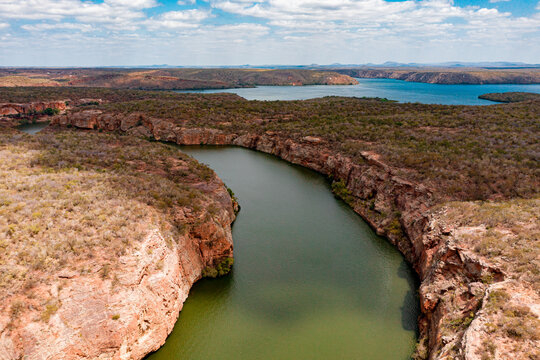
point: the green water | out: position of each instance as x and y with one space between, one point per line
311 280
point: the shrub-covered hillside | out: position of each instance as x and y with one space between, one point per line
66 196
462 152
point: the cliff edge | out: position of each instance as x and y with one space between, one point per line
102 237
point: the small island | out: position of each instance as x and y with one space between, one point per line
510 97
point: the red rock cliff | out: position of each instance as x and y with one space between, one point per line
22 109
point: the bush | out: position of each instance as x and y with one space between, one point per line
340 190
51 111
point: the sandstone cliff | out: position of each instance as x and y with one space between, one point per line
102 238
456 279
35 107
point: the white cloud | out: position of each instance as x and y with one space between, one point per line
114 12
409 19
58 26
178 19
295 31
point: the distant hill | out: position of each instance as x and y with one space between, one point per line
449 64
476 76
168 79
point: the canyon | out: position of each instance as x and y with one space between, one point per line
457 282
477 260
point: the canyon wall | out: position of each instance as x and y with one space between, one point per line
451 274
90 307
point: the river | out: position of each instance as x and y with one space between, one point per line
311 280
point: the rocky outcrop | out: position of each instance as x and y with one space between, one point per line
90 309
30 108
452 275
126 317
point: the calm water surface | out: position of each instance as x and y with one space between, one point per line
33 128
311 280
402 91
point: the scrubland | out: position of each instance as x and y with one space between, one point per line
67 196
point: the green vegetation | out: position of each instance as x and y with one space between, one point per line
480 162
221 269
31 94
50 111
231 194
510 97
460 152
340 190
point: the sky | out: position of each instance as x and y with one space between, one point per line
263 32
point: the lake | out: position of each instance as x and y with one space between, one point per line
399 90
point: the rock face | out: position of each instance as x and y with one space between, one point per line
451 274
128 313
124 318
35 107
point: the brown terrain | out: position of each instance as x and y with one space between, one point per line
168 79
102 237
478 261
449 75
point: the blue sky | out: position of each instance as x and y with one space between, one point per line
257 32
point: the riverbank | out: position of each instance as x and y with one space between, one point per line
461 269
102 237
